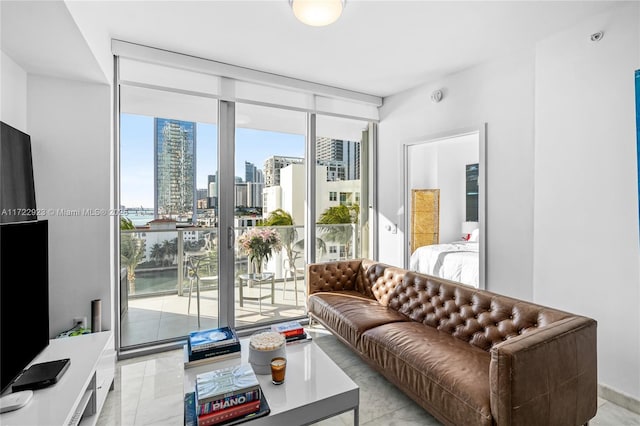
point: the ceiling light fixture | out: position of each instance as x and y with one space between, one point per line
317 13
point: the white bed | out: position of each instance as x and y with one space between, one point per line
457 261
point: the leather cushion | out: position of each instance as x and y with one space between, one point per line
332 276
479 317
350 313
443 373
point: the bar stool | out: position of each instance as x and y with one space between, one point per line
193 262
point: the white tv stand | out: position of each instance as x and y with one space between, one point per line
78 397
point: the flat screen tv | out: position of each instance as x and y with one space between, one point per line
24 296
17 189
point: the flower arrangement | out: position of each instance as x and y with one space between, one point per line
259 244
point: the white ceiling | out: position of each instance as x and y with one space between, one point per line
376 47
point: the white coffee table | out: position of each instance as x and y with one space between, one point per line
315 388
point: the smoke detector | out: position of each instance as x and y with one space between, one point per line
436 96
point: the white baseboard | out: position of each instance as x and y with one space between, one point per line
619 398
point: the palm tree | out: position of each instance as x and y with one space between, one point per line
156 253
132 250
288 234
321 247
126 223
169 251
342 214
173 249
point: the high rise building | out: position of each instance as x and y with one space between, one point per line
202 193
341 157
175 168
329 149
272 166
335 169
254 194
241 198
351 158
250 172
212 189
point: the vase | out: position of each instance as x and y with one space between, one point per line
257 266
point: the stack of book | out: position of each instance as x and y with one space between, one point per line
211 345
224 395
292 331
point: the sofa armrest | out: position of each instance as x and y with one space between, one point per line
548 374
332 276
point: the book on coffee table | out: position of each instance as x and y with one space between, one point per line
209 357
191 417
300 338
288 329
202 340
225 382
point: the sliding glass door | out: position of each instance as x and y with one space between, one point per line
342 188
168 235
221 200
269 194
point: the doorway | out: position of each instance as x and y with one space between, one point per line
453 166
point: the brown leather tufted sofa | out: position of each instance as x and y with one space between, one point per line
468 356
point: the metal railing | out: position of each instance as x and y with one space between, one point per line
156 259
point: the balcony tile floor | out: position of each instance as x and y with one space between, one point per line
155 318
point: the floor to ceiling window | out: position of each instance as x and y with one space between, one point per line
269 213
342 188
208 165
168 236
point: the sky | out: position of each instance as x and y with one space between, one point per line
136 155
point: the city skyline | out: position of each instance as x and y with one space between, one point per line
137 160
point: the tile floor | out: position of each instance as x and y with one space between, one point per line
158 317
148 391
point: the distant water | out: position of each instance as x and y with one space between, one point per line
139 219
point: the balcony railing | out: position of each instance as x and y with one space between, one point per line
157 259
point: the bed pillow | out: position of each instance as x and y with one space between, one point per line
474 235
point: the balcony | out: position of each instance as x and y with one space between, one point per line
160 266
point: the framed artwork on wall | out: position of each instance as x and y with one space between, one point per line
471 192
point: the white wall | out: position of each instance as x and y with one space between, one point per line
576 97
70 127
13 93
586 211
499 93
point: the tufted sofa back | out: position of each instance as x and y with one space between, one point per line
380 280
479 317
373 279
335 276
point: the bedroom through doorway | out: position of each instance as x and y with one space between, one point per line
445 195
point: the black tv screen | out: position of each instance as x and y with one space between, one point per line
17 189
24 296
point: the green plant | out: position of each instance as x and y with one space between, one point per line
259 243
288 233
132 249
339 215
126 223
